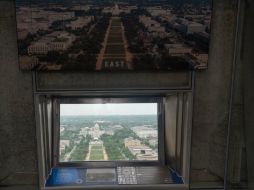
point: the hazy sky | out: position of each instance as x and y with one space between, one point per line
109 109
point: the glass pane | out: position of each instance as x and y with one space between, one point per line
108 132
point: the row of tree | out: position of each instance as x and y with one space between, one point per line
82 149
114 145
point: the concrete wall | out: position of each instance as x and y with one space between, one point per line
248 88
211 101
17 126
241 164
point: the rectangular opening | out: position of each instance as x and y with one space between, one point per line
116 130
92 136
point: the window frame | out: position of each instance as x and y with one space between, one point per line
57 101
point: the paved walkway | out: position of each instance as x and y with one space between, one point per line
68 156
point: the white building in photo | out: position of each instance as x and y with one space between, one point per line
188 27
80 8
80 22
151 25
177 49
158 11
195 27
56 41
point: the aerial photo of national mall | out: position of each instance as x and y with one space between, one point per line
113 35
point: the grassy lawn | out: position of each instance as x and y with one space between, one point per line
115 39
116 23
115 49
96 147
116 30
96 153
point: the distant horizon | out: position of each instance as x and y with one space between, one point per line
108 109
114 115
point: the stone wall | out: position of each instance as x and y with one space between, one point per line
211 101
17 124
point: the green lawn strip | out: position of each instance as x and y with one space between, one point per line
96 147
96 154
96 157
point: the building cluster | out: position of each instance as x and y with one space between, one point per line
165 23
55 41
43 24
140 151
136 147
79 7
158 11
195 21
39 19
118 9
96 142
145 132
153 26
187 27
95 132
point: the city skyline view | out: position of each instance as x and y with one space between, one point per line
90 35
108 138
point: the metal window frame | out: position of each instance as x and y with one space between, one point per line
95 100
127 92
50 96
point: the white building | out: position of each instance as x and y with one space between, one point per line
151 25
153 142
158 11
80 8
188 27
130 142
145 132
147 156
177 49
96 142
95 132
84 131
140 149
80 22
62 129
56 41
195 27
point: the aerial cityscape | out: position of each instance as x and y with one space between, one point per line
111 35
108 138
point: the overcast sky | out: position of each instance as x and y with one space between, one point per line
109 109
